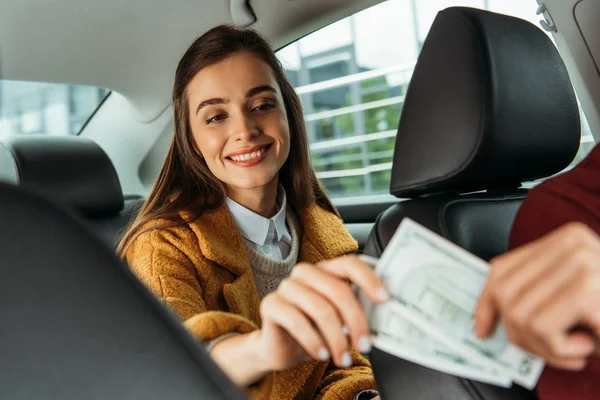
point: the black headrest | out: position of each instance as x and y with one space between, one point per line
76 323
490 105
72 169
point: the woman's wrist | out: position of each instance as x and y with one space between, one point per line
241 359
257 355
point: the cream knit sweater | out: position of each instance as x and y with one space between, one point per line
269 273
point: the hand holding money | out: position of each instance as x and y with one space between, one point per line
547 294
435 286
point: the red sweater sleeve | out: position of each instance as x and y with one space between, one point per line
548 207
573 196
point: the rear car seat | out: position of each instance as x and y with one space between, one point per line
77 324
489 106
75 171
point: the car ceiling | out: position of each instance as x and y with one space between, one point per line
132 47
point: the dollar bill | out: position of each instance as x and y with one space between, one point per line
399 336
440 283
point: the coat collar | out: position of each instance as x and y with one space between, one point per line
324 237
220 241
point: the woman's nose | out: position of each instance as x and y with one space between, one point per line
245 129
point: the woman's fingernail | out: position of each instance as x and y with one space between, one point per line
346 360
323 354
364 344
345 330
477 330
383 294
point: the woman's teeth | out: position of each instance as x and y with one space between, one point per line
248 156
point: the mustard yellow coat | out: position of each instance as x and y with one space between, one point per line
202 273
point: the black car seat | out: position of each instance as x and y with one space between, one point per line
76 324
75 171
489 106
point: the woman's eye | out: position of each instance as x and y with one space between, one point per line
264 107
216 118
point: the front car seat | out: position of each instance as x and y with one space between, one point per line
75 171
489 106
76 324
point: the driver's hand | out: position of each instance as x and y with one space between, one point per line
547 294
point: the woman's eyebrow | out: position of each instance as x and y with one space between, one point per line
250 93
210 102
260 89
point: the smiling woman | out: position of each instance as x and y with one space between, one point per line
247 161
239 239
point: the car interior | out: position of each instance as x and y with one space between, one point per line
443 111
108 339
75 170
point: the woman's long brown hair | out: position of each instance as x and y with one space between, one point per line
185 182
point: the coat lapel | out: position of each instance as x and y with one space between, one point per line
220 241
324 236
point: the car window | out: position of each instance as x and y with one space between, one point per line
46 108
352 77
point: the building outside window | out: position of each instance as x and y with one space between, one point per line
352 77
46 108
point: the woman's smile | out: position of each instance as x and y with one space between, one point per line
249 157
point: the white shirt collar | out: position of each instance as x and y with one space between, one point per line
255 227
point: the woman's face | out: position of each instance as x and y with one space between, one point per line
239 121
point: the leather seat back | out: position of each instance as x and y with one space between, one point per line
75 171
479 222
76 324
490 105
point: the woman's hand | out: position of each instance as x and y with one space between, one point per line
547 294
315 314
311 315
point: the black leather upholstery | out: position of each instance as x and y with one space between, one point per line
111 228
479 222
400 379
489 106
75 171
76 324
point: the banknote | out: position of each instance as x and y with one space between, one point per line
440 283
397 335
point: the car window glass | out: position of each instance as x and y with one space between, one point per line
352 77
46 108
